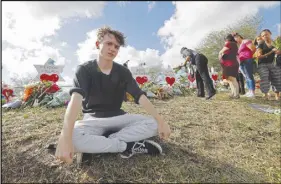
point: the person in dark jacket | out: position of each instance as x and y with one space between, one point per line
202 74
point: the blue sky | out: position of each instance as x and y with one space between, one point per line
271 17
154 34
140 25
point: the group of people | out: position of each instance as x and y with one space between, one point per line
100 86
243 57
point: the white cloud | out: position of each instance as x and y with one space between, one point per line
194 20
123 3
151 5
21 61
28 28
87 51
26 23
150 56
64 44
68 81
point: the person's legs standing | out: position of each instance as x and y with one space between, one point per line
202 67
263 71
275 77
200 85
231 88
235 86
241 83
247 70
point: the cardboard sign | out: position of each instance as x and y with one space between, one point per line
49 68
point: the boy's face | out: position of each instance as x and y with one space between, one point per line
108 47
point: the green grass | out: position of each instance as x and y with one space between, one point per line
220 140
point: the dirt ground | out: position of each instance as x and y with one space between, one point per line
220 140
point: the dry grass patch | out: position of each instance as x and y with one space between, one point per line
213 141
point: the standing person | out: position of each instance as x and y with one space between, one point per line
258 40
270 74
230 65
245 55
202 74
99 88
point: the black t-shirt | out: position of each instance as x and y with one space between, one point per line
265 49
103 94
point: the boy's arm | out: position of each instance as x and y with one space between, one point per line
65 149
163 128
140 98
71 114
148 106
79 91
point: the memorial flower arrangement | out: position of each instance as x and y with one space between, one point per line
165 89
36 91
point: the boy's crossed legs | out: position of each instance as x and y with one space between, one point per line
131 132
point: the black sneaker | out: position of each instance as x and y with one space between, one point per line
200 96
146 146
210 96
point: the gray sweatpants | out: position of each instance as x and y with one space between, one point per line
87 133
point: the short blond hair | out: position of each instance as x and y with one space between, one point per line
107 30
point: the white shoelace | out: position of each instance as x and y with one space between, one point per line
139 149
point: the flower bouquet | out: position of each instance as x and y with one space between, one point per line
35 92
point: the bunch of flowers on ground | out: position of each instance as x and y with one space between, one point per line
36 91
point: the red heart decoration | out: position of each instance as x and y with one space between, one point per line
144 79
4 92
139 80
44 77
191 79
54 77
215 77
170 80
7 93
